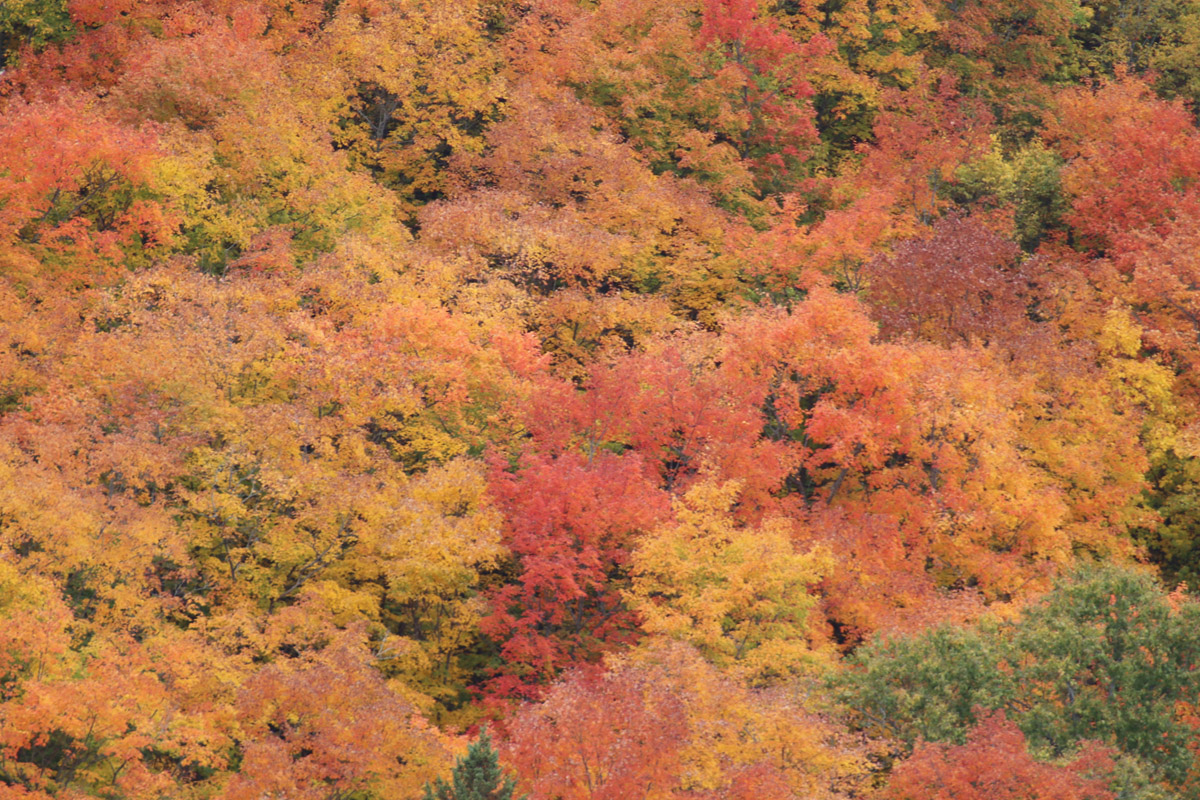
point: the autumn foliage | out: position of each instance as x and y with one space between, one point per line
995 763
708 398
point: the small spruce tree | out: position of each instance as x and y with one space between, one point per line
476 776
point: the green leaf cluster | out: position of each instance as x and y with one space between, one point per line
1106 656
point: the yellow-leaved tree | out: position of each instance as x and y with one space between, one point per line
738 593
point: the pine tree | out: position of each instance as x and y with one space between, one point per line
477 776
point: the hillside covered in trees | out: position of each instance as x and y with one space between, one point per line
621 399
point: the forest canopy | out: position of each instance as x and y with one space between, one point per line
599 399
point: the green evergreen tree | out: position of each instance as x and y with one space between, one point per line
476 776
